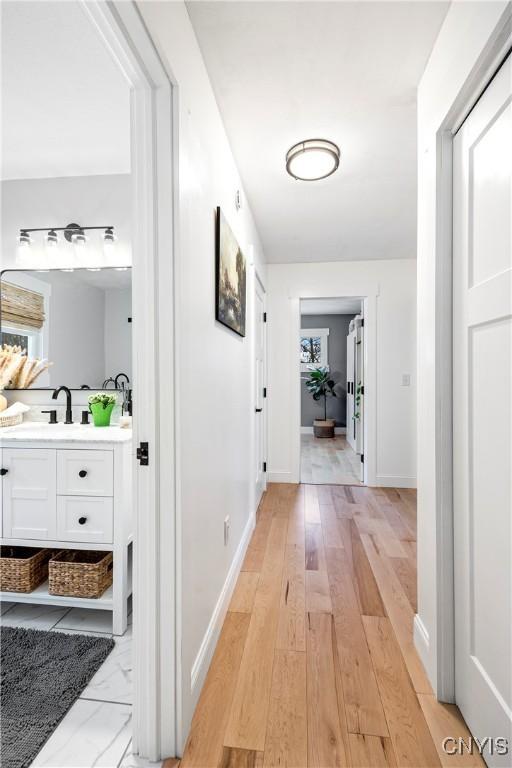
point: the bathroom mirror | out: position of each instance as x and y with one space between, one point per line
78 321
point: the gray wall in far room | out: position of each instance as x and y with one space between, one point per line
337 351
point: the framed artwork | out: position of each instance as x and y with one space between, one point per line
313 348
231 278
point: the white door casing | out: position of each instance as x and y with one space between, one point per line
482 418
259 387
157 695
359 391
351 384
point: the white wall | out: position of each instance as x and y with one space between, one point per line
394 284
85 200
214 365
462 45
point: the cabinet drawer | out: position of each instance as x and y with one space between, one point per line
82 518
87 473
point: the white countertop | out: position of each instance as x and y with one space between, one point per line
34 431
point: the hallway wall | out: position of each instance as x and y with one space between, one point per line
214 384
468 30
393 282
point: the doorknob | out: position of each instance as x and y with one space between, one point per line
82 473
82 520
3 471
258 410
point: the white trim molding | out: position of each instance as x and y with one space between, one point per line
394 481
153 127
211 636
421 640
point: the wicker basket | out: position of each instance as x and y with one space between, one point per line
11 421
80 573
22 569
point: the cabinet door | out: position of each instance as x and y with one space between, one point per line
29 493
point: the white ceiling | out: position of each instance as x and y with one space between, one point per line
346 71
348 306
65 103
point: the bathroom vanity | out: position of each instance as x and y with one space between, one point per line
68 486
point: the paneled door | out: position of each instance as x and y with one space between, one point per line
259 390
482 392
29 487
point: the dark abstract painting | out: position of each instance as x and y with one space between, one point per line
231 278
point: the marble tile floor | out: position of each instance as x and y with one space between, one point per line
328 461
96 731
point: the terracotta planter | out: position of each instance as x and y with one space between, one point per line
323 428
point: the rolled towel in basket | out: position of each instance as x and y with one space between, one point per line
15 409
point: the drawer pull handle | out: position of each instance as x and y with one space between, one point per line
3 471
82 473
82 520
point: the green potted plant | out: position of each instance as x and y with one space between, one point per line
320 385
101 406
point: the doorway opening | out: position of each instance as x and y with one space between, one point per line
332 373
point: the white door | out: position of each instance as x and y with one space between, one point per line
482 339
259 390
29 491
359 391
351 390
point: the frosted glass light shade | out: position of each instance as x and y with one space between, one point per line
312 159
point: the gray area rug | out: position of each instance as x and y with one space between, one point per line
43 673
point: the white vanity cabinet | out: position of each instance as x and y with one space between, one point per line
70 487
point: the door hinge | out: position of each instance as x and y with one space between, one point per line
264 466
362 458
362 322
361 389
143 454
264 391
264 317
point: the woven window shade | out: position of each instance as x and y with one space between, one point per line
21 307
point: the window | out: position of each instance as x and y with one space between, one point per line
313 348
30 340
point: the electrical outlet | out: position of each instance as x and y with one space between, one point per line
227 524
406 379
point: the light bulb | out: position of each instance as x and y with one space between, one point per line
51 239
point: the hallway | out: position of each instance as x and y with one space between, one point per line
315 665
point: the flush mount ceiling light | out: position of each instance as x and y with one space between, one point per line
313 159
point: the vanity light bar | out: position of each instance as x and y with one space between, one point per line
73 233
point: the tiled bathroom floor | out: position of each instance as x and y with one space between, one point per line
96 731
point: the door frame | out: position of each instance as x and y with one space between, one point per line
369 303
468 96
156 556
258 283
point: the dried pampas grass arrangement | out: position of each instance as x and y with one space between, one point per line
17 371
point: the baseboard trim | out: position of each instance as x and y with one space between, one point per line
207 648
281 477
421 640
395 481
337 430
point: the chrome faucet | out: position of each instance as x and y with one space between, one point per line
69 412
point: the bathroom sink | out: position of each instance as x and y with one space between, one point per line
36 431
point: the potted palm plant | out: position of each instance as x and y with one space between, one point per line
320 385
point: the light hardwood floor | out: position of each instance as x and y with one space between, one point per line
315 665
328 461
